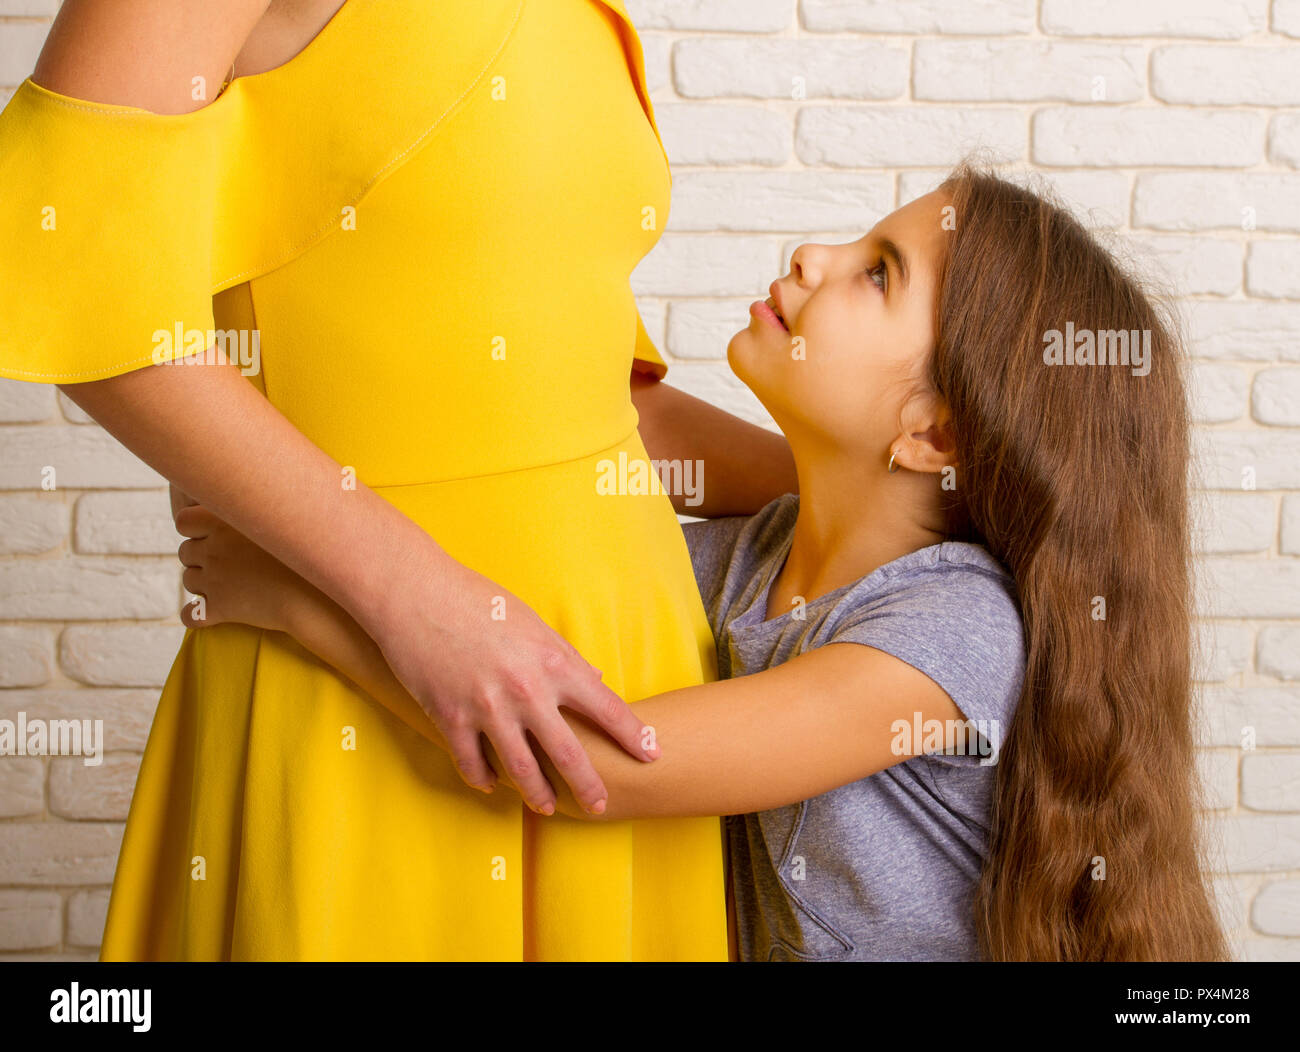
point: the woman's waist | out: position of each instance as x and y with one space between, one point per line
607 500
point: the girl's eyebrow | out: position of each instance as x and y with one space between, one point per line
893 255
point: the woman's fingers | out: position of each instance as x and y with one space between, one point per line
557 740
467 755
615 717
521 766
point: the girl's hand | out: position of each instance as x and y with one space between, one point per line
235 580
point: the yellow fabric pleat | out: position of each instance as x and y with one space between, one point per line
430 217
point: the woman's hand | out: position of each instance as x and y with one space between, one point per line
481 662
515 671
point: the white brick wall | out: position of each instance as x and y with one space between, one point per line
1173 123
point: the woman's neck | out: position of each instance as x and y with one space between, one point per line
852 520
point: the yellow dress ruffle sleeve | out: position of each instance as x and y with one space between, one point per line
425 222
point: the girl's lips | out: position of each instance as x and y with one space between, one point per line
759 309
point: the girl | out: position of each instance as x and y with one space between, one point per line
1002 767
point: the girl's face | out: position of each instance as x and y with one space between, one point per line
838 351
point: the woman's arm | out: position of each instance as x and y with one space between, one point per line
211 433
816 722
746 466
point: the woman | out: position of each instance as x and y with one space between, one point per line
934 746
423 218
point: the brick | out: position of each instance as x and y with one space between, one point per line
1216 200
30 920
1241 331
22 786
83 457
1270 781
1253 588
1226 76
1232 900
72 412
31 523
656 52
49 958
654 316
92 792
1225 459
30 8
22 402
127 715
132 523
721 134
779 201
1276 909
789 69
1260 843
1275 396
1027 71
1147 135
1223 650
1233 523
1279 651
1219 19
741 16
1217 773
1284 139
120 655
717 384
703 328
1225 712
964 17
87 913
1218 392
26 656
20 44
1286 17
1193 266
885 136
1291 525
88 588
1096 198
1273 269
1270 950
703 265
59 853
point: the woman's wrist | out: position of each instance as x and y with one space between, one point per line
397 552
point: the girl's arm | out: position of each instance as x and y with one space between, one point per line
816 722
746 466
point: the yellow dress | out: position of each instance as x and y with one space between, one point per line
429 216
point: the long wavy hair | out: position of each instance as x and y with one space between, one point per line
1076 478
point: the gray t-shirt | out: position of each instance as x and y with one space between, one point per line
884 868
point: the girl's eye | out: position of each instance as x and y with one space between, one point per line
879 274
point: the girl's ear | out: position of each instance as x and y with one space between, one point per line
926 444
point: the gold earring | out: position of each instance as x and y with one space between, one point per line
892 466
